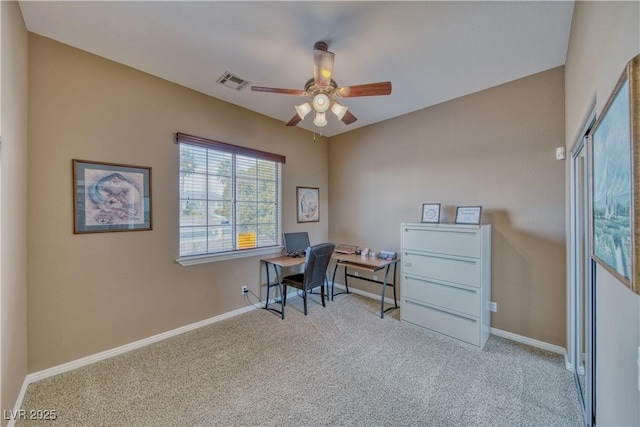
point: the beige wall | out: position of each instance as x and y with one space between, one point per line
604 36
494 148
93 292
13 202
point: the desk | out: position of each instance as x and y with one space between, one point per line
359 262
347 261
278 263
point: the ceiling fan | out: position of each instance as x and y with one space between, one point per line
324 92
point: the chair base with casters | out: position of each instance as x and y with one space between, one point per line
314 275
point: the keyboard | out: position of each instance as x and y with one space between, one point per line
296 254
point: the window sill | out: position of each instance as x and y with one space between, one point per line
203 259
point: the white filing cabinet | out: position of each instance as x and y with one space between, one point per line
446 279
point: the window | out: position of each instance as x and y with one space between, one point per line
230 198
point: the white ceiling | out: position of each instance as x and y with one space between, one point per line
431 51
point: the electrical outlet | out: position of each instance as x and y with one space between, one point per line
244 290
375 277
493 306
355 273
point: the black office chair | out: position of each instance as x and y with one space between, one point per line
315 269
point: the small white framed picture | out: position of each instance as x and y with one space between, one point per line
431 212
468 214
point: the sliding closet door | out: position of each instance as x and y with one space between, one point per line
581 281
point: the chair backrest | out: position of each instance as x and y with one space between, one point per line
316 264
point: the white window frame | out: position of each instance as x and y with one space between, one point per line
186 260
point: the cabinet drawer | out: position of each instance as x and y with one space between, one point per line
442 268
463 242
463 300
460 327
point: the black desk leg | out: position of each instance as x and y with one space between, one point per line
346 280
395 301
266 302
269 286
333 281
384 288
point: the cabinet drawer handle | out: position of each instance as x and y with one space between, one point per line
468 261
448 313
441 284
442 231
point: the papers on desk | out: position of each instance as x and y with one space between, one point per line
345 249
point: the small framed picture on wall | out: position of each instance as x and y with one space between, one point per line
308 204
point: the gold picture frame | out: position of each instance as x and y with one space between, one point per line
614 148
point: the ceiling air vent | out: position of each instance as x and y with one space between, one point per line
234 82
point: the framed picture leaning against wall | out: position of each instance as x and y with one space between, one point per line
431 212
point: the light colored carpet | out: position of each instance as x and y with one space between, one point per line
340 365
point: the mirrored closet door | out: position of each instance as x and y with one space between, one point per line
581 325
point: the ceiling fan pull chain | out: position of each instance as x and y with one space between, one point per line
314 133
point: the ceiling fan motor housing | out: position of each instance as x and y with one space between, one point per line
312 89
321 102
321 46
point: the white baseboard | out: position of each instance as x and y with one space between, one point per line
78 363
568 365
88 360
535 343
84 361
18 405
69 366
529 341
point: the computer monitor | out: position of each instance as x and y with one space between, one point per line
296 243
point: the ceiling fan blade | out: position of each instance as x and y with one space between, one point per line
297 92
370 89
322 65
348 118
294 121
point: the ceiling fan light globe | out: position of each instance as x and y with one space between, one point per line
321 102
339 110
320 120
303 110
